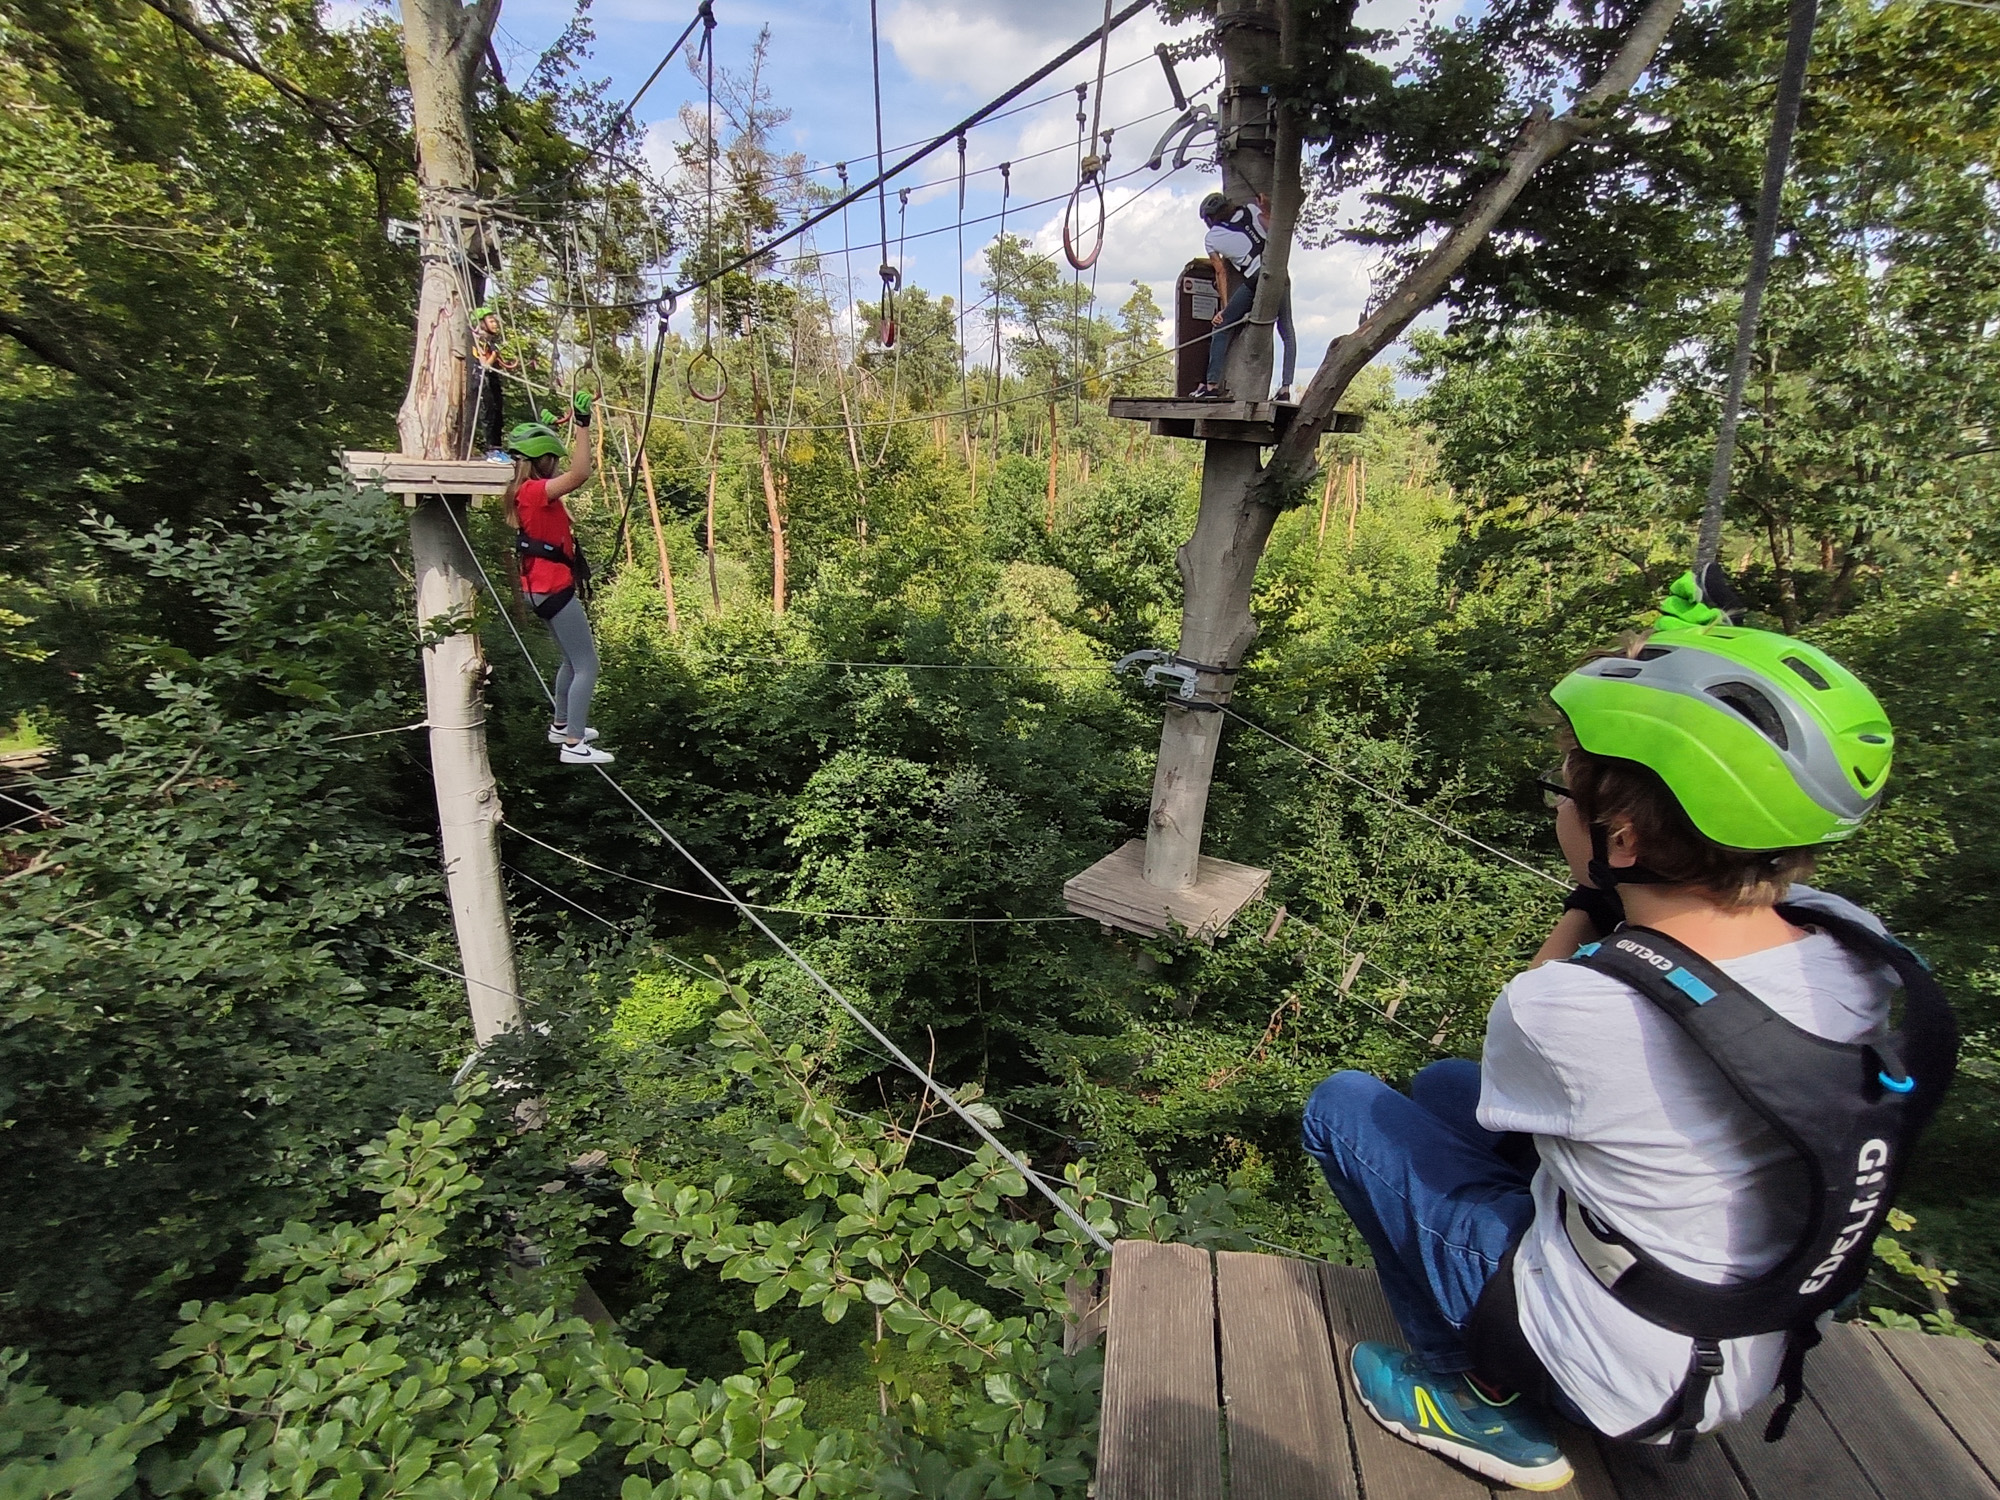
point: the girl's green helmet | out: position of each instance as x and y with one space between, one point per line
535 440
1766 742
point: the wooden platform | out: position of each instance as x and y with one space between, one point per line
400 474
1262 422
1114 891
1224 1380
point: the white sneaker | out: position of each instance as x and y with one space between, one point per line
585 754
561 736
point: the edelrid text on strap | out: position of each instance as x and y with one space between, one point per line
1851 1113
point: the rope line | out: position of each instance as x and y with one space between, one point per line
978 115
784 911
1777 158
1395 801
820 981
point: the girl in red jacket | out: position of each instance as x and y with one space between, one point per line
553 568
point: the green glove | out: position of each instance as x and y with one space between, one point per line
581 405
1683 608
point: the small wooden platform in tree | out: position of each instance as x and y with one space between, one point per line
400 474
1262 422
1225 1379
1115 892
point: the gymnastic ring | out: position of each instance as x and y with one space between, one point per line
1083 262
721 388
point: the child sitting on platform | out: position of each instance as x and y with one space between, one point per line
1655 1260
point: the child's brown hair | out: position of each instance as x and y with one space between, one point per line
1609 792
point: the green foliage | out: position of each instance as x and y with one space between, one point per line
336 1382
198 1019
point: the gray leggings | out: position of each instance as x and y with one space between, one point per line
576 678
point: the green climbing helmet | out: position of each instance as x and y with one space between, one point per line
1766 742
535 440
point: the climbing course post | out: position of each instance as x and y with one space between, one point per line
1241 498
1218 564
444 45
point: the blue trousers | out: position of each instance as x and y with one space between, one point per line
1233 313
1429 1192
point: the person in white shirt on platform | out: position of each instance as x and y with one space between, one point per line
1235 245
1503 1200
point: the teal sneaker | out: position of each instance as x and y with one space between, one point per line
1448 1415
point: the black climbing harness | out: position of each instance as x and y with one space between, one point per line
527 548
1850 1112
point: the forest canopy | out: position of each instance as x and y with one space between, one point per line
274 1223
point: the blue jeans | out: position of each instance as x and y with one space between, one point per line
1233 314
1429 1192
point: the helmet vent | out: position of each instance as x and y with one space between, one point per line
1871 739
1653 653
1619 672
1862 777
1808 673
1754 706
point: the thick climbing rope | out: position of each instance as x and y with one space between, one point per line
704 17
711 394
892 275
959 225
1777 159
896 359
1090 164
1006 188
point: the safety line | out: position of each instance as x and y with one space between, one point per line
1394 801
757 253
783 911
945 1096
516 869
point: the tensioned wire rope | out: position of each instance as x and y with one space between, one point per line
1004 168
767 178
894 1127
944 1095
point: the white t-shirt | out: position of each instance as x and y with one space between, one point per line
1637 1125
1234 246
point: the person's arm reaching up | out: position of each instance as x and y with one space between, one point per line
578 473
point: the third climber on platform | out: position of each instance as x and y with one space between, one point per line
1235 245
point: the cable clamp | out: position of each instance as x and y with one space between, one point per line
1165 666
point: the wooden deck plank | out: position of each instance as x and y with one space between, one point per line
1391 1469
1960 1379
1903 1445
1287 1427
1808 1464
1641 1472
1161 1426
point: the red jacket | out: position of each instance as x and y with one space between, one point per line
545 519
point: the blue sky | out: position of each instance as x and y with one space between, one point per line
941 59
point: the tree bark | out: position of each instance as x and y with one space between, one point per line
660 541
1049 521
443 43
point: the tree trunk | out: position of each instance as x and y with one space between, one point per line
1260 40
1049 521
1218 565
443 43
660 541
774 511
